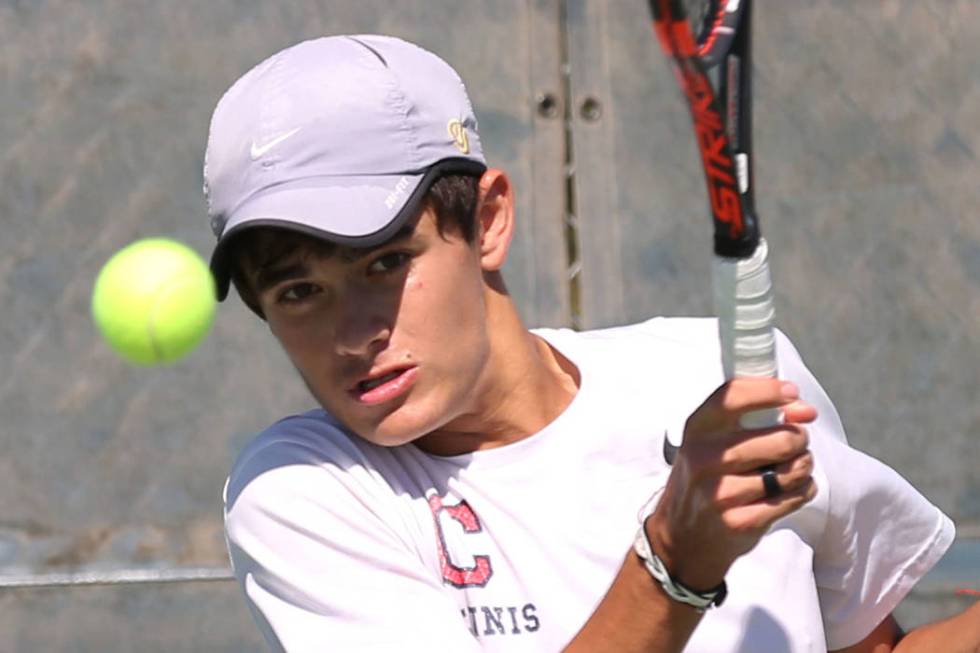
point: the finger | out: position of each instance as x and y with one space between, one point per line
747 451
760 515
799 412
744 489
722 410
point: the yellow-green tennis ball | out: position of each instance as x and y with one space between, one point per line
154 301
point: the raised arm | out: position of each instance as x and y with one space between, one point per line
714 508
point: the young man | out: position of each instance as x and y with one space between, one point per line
468 485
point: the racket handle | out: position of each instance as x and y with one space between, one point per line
744 306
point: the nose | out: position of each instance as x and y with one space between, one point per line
361 329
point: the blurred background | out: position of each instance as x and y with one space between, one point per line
867 133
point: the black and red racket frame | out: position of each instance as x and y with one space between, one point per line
725 42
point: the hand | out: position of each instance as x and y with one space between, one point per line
714 507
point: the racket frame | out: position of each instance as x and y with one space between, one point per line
722 122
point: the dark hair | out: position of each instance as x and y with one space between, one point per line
453 197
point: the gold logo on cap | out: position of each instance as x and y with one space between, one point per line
458 133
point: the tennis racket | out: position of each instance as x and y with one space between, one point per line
705 39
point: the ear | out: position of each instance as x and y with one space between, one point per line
495 216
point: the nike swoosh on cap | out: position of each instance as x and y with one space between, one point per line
258 150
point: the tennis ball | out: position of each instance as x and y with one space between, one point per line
154 301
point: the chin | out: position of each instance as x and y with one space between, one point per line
392 432
404 425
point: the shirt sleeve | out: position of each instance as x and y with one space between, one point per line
879 535
320 567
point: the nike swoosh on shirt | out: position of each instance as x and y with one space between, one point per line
258 150
670 450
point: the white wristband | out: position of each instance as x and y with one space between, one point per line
676 590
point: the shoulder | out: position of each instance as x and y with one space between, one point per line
660 337
672 329
676 336
306 479
314 432
301 454
687 337
679 346
683 350
309 438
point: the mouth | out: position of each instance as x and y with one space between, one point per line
384 387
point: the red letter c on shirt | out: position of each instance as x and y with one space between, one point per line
481 571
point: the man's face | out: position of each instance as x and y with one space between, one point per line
392 342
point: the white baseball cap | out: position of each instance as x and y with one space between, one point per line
338 137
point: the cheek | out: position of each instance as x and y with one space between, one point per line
463 332
448 325
304 347
447 306
293 340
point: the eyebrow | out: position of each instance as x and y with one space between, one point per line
273 274
270 276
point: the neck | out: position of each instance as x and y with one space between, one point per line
525 385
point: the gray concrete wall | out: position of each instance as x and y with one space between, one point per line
867 134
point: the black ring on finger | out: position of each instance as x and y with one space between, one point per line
770 482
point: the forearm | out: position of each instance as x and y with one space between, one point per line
959 634
636 616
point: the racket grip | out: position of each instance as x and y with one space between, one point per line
744 306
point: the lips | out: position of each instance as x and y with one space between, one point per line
384 385
370 384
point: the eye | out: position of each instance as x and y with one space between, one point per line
297 292
388 263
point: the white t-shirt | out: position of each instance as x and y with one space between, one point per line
341 545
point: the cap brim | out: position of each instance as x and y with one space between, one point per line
354 211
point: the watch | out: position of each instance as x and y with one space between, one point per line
676 590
